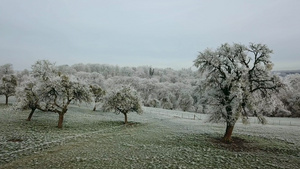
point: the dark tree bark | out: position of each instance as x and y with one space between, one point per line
61 114
31 113
126 121
6 100
228 133
94 109
60 120
230 124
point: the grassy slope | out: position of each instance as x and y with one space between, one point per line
156 139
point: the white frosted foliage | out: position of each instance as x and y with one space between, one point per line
238 81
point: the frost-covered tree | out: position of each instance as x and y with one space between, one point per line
237 79
146 87
178 89
123 100
6 69
53 91
28 95
8 86
290 96
166 103
60 91
44 70
186 101
30 92
79 67
8 81
98 94
21 74
152 101
96 78
165 95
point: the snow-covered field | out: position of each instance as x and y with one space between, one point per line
156 139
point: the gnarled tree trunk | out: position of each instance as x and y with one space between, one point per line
94 108
31 113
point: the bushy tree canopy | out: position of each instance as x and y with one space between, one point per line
123 100
52 90
290 96
28 95
98 94
8 86
8 81
6 69
238 80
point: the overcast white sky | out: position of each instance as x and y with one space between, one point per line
158 33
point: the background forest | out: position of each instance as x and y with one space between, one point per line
161 88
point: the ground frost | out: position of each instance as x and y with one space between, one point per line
157 139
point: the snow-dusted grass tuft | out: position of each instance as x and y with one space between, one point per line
156 139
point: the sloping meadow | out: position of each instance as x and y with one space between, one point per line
156 139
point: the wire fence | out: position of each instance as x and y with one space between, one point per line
252 120
279 121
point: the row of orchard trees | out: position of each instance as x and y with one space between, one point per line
47 89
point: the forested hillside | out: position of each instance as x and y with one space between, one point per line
162 88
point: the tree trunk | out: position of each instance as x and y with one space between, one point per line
31 113
60 120
94 108
6 100
125 114
229 124
228 133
